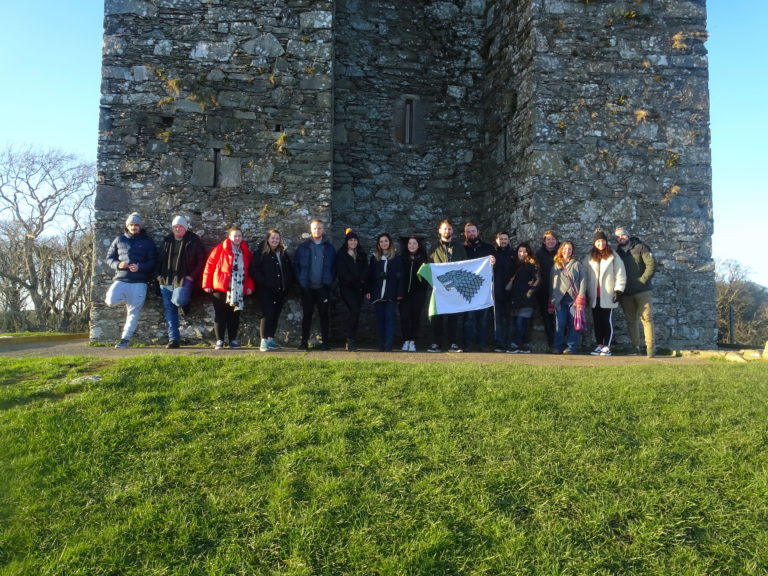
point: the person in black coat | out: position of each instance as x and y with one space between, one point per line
502 272
412 290
476 321
178 269
352 273
522 289
545 256
272 273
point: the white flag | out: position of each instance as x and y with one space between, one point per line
459 286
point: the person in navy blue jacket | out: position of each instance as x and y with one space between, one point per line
314 266
384 272
132 256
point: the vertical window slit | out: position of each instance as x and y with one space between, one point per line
408 122
216 166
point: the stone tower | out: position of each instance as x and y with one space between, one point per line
521 115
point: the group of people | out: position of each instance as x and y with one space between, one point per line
549 279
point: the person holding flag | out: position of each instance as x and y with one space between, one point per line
458 285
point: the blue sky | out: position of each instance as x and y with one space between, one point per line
50 59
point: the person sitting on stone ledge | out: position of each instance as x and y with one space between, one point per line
179 268
226 279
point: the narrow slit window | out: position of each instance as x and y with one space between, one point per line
216 166
408 121
408 117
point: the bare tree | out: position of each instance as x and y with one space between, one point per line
743 301
46 211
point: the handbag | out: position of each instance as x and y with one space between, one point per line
182 294
579 318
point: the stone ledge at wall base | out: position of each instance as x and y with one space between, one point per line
737 356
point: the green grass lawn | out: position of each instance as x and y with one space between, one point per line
252 465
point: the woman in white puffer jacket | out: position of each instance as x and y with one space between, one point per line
606 279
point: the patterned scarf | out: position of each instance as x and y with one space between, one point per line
235 294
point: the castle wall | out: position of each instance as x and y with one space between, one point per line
388 116
389 53
221 111
617 109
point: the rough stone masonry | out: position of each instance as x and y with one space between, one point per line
386 115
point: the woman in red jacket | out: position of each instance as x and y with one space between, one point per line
226 279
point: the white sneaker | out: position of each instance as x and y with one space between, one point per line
406 345
412 346
264 347
605 351
596 351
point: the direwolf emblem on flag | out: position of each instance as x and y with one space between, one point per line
464 282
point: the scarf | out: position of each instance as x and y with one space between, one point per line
235 294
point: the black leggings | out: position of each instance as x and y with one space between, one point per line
353 300
603 320
226 320
271 306
411 307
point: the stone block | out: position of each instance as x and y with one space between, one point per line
213 51
230 175
267 45
317 82
203 172
111 199
172 171
316 20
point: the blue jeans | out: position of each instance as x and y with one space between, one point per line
521 320
476 327
170 312
385 323
566 336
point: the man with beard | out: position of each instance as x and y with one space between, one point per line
132 256
638 295
476 321
447 250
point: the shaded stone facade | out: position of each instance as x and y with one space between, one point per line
389 116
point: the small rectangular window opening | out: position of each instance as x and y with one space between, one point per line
408 121
216 166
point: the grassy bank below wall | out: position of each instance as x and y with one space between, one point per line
200 466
